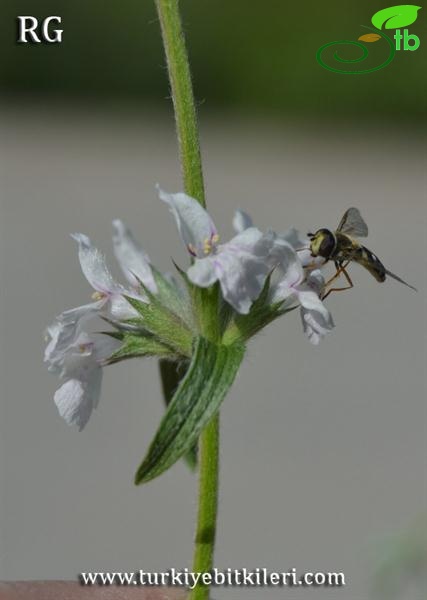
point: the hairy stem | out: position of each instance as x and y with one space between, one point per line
205 301
208 506
183 99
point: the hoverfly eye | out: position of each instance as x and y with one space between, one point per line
327 246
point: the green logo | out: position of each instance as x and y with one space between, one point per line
394 17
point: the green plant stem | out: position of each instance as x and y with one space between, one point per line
208 505
183 99
206 301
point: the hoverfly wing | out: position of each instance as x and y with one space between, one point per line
401 280
353 224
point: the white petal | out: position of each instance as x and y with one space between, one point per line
120 308
82 373
280 291
76 399
202 272
316 325
288 263
134 262
280 248
309 292
311 301
93 265
64 331
251 239
194 223
86 354
241 221
316 318
316 281
241 267
292 275
79 359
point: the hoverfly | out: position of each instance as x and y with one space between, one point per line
342 247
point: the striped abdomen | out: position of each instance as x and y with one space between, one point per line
371 262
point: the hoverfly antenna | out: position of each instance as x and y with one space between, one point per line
310 235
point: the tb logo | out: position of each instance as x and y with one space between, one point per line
29 30
410 40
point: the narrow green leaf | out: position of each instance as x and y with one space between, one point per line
171 374
395 17
134 325
136 346
210 375
116 335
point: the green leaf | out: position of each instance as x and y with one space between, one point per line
395 17
171 374
210 375
137 345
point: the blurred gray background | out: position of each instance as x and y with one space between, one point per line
323 449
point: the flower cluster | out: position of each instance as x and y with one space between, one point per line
261 276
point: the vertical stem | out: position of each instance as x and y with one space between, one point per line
183 99
208 505
206 301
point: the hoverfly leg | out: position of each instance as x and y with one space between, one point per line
341 269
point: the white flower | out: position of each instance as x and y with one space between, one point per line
82 375
292 252
63 332
305 289
240 265
108 298
107 291
70 353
